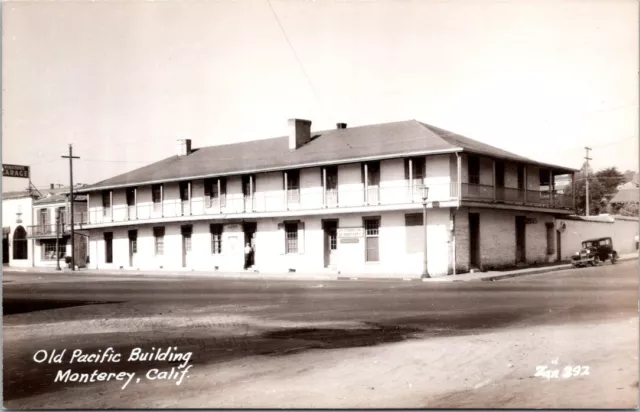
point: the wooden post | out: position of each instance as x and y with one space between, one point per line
459 160
366 184
219 196
551 187
286 194
324 186
162 200
526 184
110 203
189 194
251 192
494 180
135 201
411 179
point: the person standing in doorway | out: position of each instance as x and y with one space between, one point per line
247 256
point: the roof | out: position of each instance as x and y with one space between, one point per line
629 195
397 139
58 198
17 194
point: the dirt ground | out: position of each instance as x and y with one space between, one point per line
491 370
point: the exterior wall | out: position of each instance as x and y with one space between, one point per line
392 181
622 231
350 187
269 250
498 238
438 176
10 218
269 195
311 187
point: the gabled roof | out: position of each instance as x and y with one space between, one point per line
397 139
630 195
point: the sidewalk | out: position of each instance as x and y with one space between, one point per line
466 277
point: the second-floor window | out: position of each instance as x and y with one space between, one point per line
293 186
215 192
156 197
520 177
131 196
106 202
44 217
474 170
499 174
184 191
414 170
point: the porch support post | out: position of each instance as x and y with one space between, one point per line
366 184
189 194
110 203
411 179
551 187
526 184
573 190
251 192
459 159
286 194
135 201
324 186
494 179
88 209
162 200
219 196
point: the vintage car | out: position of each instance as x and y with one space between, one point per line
594 252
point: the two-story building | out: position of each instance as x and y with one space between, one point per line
347 200
52 228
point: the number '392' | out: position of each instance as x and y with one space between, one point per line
564 373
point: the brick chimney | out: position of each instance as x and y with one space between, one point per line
184 147
341 125
299 133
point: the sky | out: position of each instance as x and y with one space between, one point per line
123 80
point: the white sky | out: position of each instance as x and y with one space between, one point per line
123 80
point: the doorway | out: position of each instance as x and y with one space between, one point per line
5 245
330 228
186 230
521 256
558 246
250 229
133 247
474 240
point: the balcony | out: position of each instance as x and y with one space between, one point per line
539 198
279 201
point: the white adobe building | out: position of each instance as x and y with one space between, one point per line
17 250
347 200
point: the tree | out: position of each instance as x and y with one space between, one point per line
610 178
597 199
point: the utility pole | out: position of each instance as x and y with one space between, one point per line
587 158
58 239
73 238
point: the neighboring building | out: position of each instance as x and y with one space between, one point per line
54 206
627 194
29 227
346 200
17 250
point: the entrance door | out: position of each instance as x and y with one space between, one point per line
186 245
330 242
520 240
250 229
133 247
558 246
474 240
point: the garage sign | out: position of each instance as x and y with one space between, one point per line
15 171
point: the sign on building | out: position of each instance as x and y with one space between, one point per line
350 232
15 171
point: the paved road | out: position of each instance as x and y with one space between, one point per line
276 318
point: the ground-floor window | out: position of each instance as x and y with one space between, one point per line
158 236
291 236
108 247
216 239
372 239
48 248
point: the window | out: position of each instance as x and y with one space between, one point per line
291 236
293 186
520 177
499 174
184 191
332 178
212 194
156 197
414 233
372 232
216 239
131 196
20 248
108 247
474 170
550 238
186 237
106 202
48 248
158 235
373 173
44 218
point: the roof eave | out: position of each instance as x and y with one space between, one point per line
533 162
272 169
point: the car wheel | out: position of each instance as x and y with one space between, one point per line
614 258
596 261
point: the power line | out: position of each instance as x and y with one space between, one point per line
284 33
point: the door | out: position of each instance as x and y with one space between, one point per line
249 229
520 240
372 239
5 245
558 246
474 240
133 247
186 245
330 243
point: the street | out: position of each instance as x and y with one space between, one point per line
327 344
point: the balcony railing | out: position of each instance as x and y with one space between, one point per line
541 198
299 199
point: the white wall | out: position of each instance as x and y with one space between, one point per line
11 219
622 231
